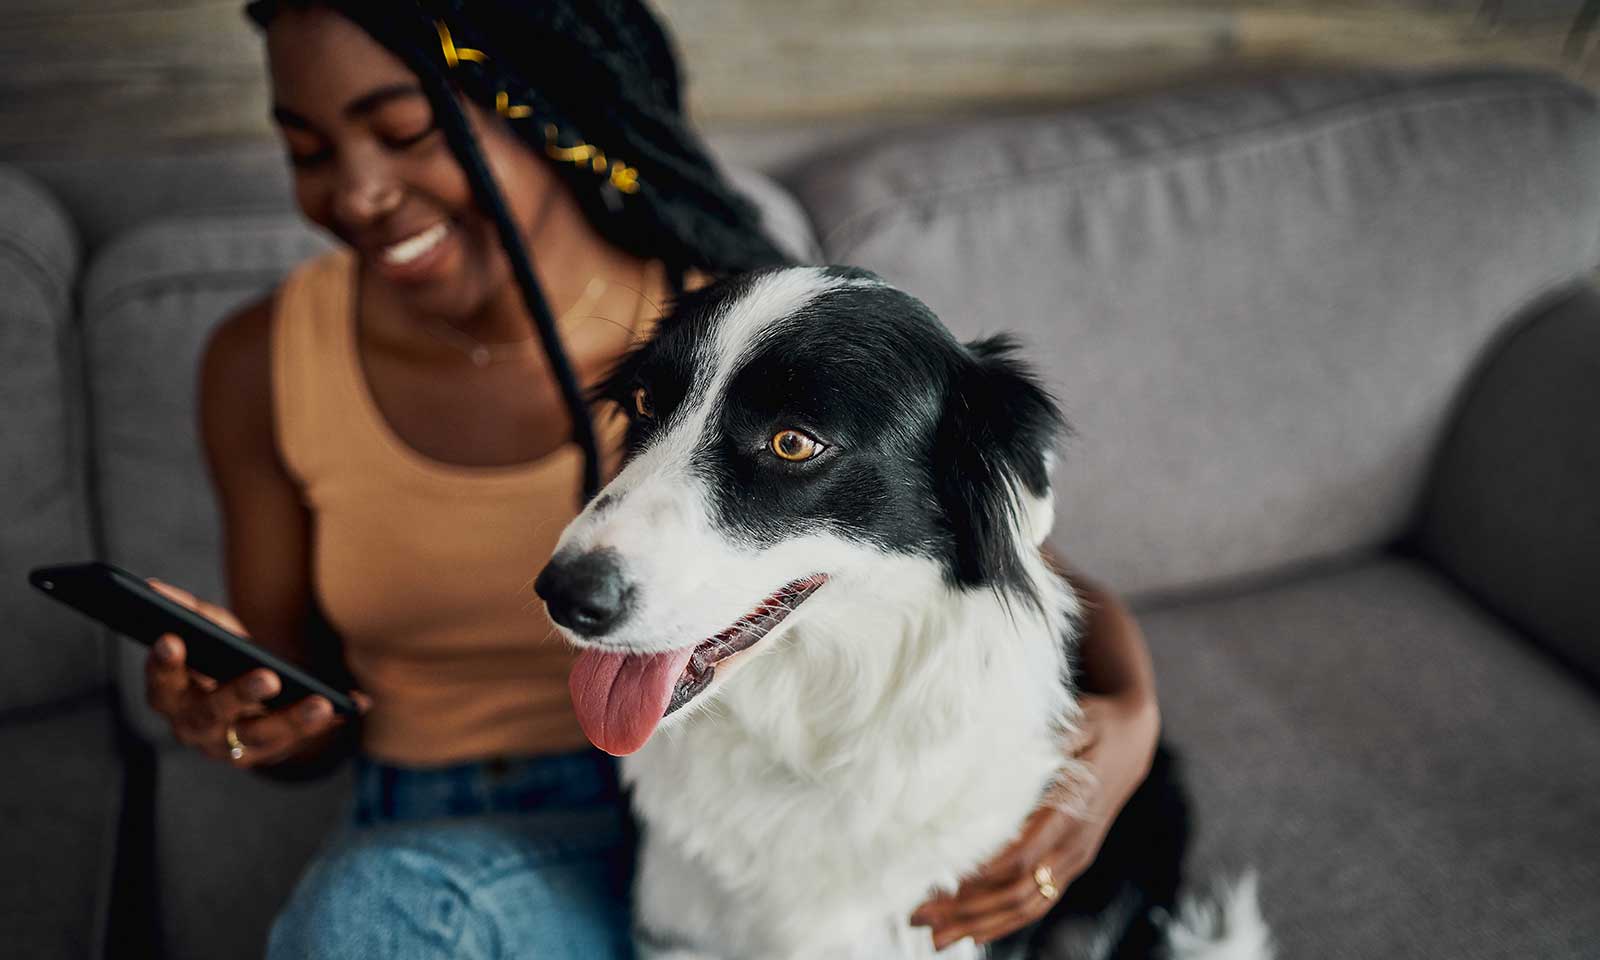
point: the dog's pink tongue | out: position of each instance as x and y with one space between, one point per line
620 697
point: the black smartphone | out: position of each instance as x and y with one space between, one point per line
128 605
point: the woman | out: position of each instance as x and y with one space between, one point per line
391 448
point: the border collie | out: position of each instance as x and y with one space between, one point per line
813 614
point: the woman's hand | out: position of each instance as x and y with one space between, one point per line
202 712
1117 742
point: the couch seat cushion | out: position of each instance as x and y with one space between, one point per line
1411 778
222 904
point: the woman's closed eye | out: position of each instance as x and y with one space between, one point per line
304 159
403 142
404 122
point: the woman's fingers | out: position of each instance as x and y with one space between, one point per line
212 612
166 679
993 914
203 711
1001 926
205 716
177 595
244 695
278 734
1005 894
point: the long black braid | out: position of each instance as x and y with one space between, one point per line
575 77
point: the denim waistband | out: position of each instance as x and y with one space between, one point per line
385 793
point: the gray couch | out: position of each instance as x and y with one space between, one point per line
1334 367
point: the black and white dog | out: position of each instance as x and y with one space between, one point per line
818 573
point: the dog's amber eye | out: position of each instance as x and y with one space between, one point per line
795 446
642 404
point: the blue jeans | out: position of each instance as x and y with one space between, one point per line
523 858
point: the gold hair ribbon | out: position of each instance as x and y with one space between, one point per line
624 177
581 153
453 55
502 106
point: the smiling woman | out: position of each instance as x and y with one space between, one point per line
392 450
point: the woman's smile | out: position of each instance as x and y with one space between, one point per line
421 257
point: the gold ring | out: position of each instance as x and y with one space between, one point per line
1046 882
235 745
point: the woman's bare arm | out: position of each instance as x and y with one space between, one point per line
267 537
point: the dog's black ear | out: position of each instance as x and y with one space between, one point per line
991 455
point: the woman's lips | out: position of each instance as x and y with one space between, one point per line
417 257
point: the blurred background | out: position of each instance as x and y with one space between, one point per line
769 80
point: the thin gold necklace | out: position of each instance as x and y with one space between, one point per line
484 354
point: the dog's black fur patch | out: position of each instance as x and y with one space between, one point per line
929 440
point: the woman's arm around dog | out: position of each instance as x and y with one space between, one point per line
1116 741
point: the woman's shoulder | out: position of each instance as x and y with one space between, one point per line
236 368
239 351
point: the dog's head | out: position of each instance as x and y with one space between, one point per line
793 433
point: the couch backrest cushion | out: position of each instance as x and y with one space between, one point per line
1256 302
50 653
781 215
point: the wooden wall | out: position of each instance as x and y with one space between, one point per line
172 75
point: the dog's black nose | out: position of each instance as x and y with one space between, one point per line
586 593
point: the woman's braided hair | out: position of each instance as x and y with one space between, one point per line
594 86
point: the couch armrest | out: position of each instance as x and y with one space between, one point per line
1512 511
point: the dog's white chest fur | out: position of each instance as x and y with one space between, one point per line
885 753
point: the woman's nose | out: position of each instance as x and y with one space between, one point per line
367 195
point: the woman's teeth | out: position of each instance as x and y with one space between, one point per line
410 249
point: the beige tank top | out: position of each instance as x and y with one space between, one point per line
425 568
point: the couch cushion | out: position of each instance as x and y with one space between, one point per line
52 653
1411 778
231 846
60 800
781 214
1514 508
1255 301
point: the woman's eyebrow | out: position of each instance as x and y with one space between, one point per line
364 104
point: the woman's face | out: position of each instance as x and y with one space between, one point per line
372 168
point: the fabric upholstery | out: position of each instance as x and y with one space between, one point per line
1411 779
60 799
1255 301
110 193
43 516
781 214
231 847
1514 509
